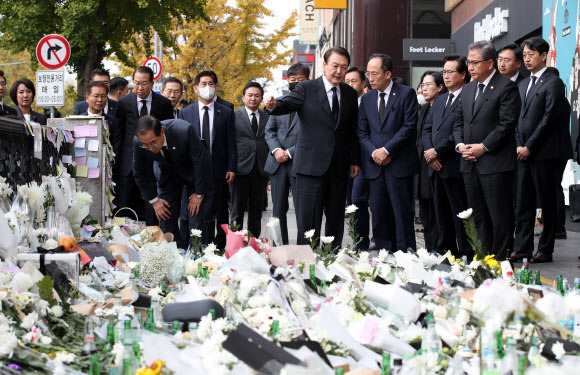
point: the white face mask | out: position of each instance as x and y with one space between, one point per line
207 92
421 99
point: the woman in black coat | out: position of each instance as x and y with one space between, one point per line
22 93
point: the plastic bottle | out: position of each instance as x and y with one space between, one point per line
510 360
94 367
110 337
397 366
134 287
129 360
386 366
89 346
491 363
157 318
565 286
128 336
431 341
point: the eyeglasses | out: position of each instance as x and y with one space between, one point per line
172 92
150 145
141 84
448 72
426 85
372 74
474 63
97 97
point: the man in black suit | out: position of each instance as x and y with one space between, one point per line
326 148
251 180
132 106
539 148
173 90
96 99
448 187
5 110
509 62
100 75
215 125
216 98
174 150
118 87
484 135
387 128
281 136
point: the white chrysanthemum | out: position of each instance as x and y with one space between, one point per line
22 282
558 350
383 254
196 233
84 198
46 340
50 244
326 239
63 357
57 311
8 342
29 320
364 256
210 249
465 214
351 209
309 234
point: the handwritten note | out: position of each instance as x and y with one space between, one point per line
80 152
94 172
67 159
80 142
92 162
81 160
93 145
82 171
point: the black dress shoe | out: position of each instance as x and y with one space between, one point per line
542 258
561 236
516 257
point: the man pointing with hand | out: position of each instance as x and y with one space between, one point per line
327 148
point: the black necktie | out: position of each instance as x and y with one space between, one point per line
205 127
530 89
143 111
449 101
165 153
382 105
481 86
254 124
335 108
175 112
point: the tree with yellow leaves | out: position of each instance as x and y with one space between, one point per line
232 45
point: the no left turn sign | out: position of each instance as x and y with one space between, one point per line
53 51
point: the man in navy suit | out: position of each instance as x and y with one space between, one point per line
173 149
96 99
214 124
509 61
387 129
281 136
100 75
448 187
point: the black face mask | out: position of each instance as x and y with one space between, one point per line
292 85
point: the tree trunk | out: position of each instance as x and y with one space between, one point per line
84 69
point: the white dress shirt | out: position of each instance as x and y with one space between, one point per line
210 110
387 93
328 87
455 94
140 104
91 114
515 77
538 74
249 111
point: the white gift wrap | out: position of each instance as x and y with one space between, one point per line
247 259
394 299
184 361
445 331
314 364
7 239
60 202
382 338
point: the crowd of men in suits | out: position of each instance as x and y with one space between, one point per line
486 138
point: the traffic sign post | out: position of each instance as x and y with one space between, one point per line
49 88
155 64
53 51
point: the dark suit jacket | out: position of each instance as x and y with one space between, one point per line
438 134
251 147
225 103
224 149
8 111
491 122
320 138
520 78
397 132
34 116
280 133
540 126
114 133
81 107
185 158
128 114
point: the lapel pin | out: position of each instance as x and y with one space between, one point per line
541 80
394 93
174 148
491 87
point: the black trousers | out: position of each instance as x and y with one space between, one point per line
490 197
542 178
248 191
392 207
428 218
561 203
450 199
281 183
361 193
129 195
316 195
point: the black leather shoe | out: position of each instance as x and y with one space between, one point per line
542 258
517 257
561 236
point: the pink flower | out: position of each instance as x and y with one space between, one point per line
290 262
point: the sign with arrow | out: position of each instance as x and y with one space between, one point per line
53 51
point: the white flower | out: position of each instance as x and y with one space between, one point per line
8 342
22 282
196 233
363 267
462 317
46 340
383 255
326 239
118 352
132 264
440 312
57 311
58 369
495 302
64 357
273 223
309 234
210 249
86 279
465 214
364 256
558 350
50 244
351 209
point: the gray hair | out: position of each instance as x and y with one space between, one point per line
486 50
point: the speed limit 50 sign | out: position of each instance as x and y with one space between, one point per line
155 64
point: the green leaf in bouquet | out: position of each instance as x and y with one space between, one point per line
90 220
45 287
